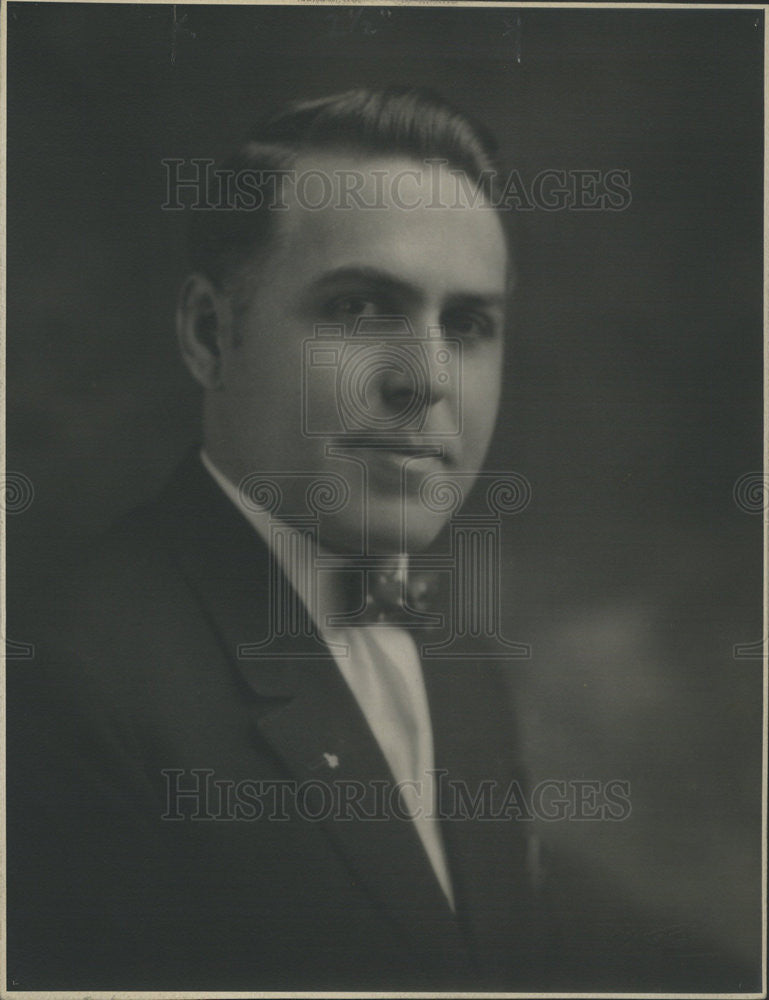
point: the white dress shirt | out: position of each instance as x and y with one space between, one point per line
382 669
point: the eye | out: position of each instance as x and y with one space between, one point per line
350 307
467 325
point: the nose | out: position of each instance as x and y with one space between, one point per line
419 379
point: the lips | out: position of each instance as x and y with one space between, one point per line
417 450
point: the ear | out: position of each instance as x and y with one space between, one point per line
202 327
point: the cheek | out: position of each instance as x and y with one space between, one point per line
269 359
267 376
482 384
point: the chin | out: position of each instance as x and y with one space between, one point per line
385 530
386 534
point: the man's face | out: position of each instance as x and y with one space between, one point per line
314 368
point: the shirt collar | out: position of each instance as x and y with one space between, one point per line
329 597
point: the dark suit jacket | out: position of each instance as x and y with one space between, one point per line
136 686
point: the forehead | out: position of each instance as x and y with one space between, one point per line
396 215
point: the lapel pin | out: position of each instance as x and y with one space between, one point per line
332 760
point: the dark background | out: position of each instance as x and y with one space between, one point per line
633 385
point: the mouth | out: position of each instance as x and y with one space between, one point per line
413 448
395 465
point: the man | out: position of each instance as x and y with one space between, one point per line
176 791
255 749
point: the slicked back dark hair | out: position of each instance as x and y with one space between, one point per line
409 122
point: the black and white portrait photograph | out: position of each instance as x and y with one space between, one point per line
385 499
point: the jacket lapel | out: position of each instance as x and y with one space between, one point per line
475 744
304 710
323 738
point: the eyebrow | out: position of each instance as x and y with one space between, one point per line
394 284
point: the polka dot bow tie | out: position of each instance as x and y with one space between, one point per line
399 596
